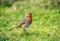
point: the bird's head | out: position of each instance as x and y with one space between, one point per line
28 14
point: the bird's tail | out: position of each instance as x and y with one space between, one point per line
14 28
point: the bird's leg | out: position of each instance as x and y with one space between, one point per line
23 29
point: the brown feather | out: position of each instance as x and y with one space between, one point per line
21 23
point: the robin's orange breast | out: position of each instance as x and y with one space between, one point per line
30 19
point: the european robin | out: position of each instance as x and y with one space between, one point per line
25 21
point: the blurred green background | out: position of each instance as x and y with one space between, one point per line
45 25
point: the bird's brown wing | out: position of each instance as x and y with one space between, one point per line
19 25
22 22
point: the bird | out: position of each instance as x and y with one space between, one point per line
25 21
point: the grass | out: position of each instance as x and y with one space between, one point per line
45 25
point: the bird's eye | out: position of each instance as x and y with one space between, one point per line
29 13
